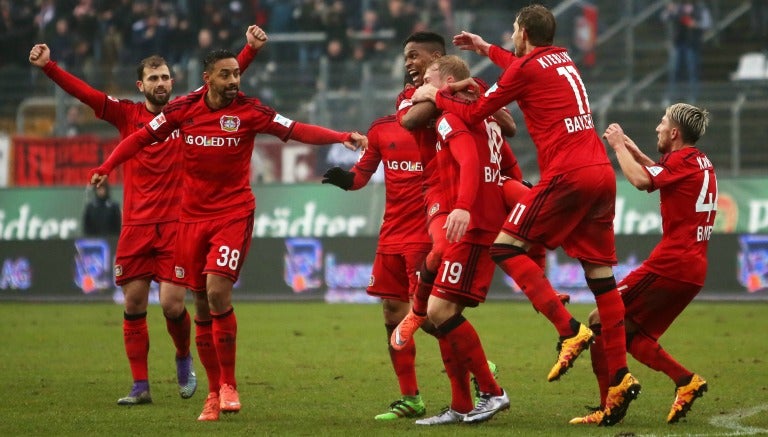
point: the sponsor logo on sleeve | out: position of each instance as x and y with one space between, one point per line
492 89
444 128
434 209
118 270
405 103
157 121
113 99
655 170
285 121
229 123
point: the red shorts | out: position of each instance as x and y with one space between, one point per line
394 275
217 246
574 210
653 302
435 204
145 251
465 274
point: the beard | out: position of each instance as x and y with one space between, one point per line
159 101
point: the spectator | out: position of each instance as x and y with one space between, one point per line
687 22
101 217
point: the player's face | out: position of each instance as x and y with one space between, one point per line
224 80
517 40
432 76
157 85
664 133
417 59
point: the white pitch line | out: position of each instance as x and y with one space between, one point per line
728 421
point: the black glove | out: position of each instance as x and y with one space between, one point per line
339 177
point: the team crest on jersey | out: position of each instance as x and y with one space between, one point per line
655 170
118 270
434 209
179 272
444 128
229 123
157 121
371 281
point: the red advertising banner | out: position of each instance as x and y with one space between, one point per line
59 161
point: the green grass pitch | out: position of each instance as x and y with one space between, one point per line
318 369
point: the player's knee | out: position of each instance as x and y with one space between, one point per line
500 252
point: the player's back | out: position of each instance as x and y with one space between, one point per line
553 98
688 192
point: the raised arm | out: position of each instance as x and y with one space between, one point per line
124 151
40 56
312 134
633 170
255 38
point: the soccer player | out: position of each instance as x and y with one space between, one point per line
573 204
403 243
151 193
420 50
217 125
659 290
468 163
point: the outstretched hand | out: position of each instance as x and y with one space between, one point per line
614 134
39 55
256 37
356 141
470 41
97 176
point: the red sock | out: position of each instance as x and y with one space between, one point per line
599 365
136 340
225 340
423 289
467 346
206 351
538 253
611 310
530 277
458 375
179 329
404 364
649 352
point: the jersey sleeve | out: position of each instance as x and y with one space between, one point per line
245 57
668 171
368 163
462 147
500 56
76 87
499 95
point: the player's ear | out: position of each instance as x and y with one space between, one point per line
140 85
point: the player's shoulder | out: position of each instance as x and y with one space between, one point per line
385 122
448 123
183 103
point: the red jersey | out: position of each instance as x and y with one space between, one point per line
152 179
217 148
550 93
469 165
425 138
688 192
395 147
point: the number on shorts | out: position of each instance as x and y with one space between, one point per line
229 257
451 272
517 212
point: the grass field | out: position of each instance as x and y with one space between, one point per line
317 369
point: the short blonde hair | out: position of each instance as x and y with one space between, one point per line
452 65
691 121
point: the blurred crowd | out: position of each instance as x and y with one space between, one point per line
103 34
